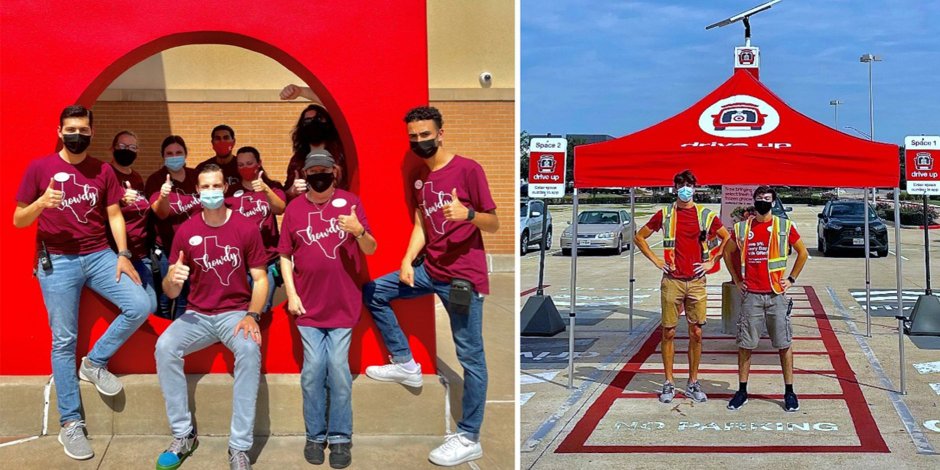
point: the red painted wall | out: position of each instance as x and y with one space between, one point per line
366 60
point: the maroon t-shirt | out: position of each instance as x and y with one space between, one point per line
454 249
688 248
255 206
77 226
229 170
183 199
329 269
136 215
218 260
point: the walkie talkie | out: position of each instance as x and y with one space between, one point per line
44 258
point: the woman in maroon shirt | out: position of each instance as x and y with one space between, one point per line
314 130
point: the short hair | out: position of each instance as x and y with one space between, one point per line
425 113
764 190
173 139
251 150
684 178
76 110
117 136
210 168
222 127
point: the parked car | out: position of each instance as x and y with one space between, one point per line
842 226
602 229
530 224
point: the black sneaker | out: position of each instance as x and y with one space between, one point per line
313 452
738 400
790 403
340 455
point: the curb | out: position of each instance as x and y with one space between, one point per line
918 227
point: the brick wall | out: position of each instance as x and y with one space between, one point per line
482 130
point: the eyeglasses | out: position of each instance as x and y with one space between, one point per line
318 117
126 147
766 197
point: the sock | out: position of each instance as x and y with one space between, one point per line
742 387
787 389
410 366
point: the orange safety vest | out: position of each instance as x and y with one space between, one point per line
709 245
776 250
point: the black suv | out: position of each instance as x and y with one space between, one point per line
842 226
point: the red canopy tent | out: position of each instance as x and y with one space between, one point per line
741 133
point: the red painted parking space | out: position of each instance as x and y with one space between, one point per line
865 428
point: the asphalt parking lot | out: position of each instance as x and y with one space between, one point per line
846 381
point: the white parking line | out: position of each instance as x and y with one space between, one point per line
936 388
531 379
927 367
524 397
895 254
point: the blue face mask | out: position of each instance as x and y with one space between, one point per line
685 193
211 198
175 163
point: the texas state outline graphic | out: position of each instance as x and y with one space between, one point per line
226 256
79 193
324 239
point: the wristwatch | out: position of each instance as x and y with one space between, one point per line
126 253
470 214
255 315
792 281
361 234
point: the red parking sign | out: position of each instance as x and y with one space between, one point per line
547 157
922 170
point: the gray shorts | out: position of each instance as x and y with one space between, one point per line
760 309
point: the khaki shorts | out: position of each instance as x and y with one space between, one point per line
760 309
691 294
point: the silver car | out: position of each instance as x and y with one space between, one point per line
601 229
530 225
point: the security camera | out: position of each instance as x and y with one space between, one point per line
486 79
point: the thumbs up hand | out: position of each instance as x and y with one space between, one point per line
300 183
258 184
51 197
179 271
130 195
166 188
350 223
455 211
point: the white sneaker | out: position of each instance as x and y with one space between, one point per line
455 450
396 373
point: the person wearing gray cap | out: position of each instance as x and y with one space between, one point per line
453 207
324 235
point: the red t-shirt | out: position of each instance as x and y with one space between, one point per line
77 226
136 216
756 276
255 207
329 269
183 199
454 249
218 260
688 247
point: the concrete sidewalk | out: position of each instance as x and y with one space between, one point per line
415 420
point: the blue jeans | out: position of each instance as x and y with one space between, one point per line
146 278
274 281
326 379
190 333
467 332
61 291
164 303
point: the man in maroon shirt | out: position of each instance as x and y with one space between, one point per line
223 143
73 196
453 205
689 233
214 250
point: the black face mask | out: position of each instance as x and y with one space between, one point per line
320 182
125 157
314 131
76 143
424 148
763 207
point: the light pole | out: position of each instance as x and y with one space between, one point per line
869 59
835 108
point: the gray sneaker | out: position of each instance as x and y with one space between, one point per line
105 382
238 460
668 393
73 440
694 391
179 449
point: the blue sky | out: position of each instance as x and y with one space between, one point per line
616 67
